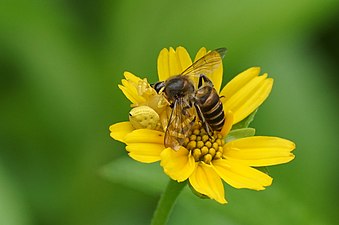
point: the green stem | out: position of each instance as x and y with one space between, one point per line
166 202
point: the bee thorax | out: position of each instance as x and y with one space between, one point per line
178 87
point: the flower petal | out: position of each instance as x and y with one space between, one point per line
248 97
120 130
130 94
145 145
216 76
183 57
145 152
145 136
163 65
202 51
228 124
241 176
178 165
239 81
206 181
129 89
174 64
260 150
131 77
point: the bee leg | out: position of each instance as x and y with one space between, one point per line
186 107
204 123
206 80
200 81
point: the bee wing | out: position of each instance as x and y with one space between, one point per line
180 124
206 64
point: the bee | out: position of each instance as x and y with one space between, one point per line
188 99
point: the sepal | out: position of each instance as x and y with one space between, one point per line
245 122
202 196
239 133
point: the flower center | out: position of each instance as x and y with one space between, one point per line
202 147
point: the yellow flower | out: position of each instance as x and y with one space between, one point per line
206 161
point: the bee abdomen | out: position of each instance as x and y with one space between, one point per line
214 116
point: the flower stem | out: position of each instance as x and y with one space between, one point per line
166 202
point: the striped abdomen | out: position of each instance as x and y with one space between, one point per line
211 107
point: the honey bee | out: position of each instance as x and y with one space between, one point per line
188 99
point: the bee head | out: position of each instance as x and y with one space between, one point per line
158 86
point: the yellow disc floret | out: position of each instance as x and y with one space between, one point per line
202 147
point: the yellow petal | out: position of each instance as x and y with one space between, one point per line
239 81
145 152
120 130
254 99
163 65
260 150
248 98
174 64
184 58
131 94
178 165
202 51
131 77
129 89
207 182
228 123
145 136
241 176
216 76
145 145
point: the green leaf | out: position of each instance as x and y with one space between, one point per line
240 133
245 122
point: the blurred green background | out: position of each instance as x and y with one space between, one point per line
61 62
